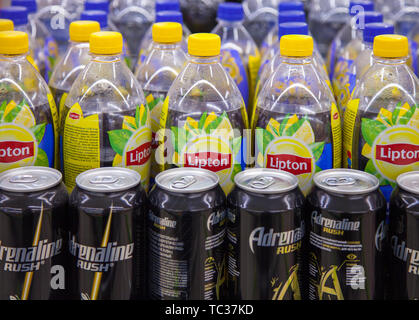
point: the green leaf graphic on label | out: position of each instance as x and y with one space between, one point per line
236 145
371 129
237 168
39 132
3 109
263 139
317 149
179 136
404 119
14 112
273 129
283 124
137 117
144 116
154 103
370 168
118 140
42 159
202 120
214 125
396 113
294 128
318 169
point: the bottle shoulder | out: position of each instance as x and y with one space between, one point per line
106 87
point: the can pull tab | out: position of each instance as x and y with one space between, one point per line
336 182
262 182
183 183
103 180
27 178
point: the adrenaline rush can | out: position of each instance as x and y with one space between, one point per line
404 238
107 235
33 206
265 235
347 232
186 231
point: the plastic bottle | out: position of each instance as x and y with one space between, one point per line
261 17
326 18
239 53
381 124
100 5
365 58
296 123
273 58
102 18
204 116
157 73
272 36
200 15
56 15
19 16
405 15
46 44
105 121
348 32
73 61
28 116
132 18
162 16
342 83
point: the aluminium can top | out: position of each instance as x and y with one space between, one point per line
409 181
29 179
108 179
187 180
346 181
266 181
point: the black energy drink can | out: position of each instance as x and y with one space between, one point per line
107 235
186 232
265 234
347 232
404 238
33 206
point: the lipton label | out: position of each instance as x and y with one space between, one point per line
210 143
84 145
23 142
290 144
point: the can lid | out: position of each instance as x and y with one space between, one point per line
109 179
187 180
346 181
409 181
29 179
266 181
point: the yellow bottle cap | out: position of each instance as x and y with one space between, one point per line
80 31
391 46
204 44
6 25
167 32
14 42
106 42
296 45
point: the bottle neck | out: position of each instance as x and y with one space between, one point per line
110 58
390 61
225 23
205 60
14 57
166 46
297 60
368 45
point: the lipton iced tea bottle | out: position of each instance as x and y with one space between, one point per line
73 61
381 124
157 73
28 116
239 53
105 120
342 82
296 122
365 58
204 116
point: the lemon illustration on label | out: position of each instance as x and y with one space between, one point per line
391 143
290 146
20 137
209 144
132 144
